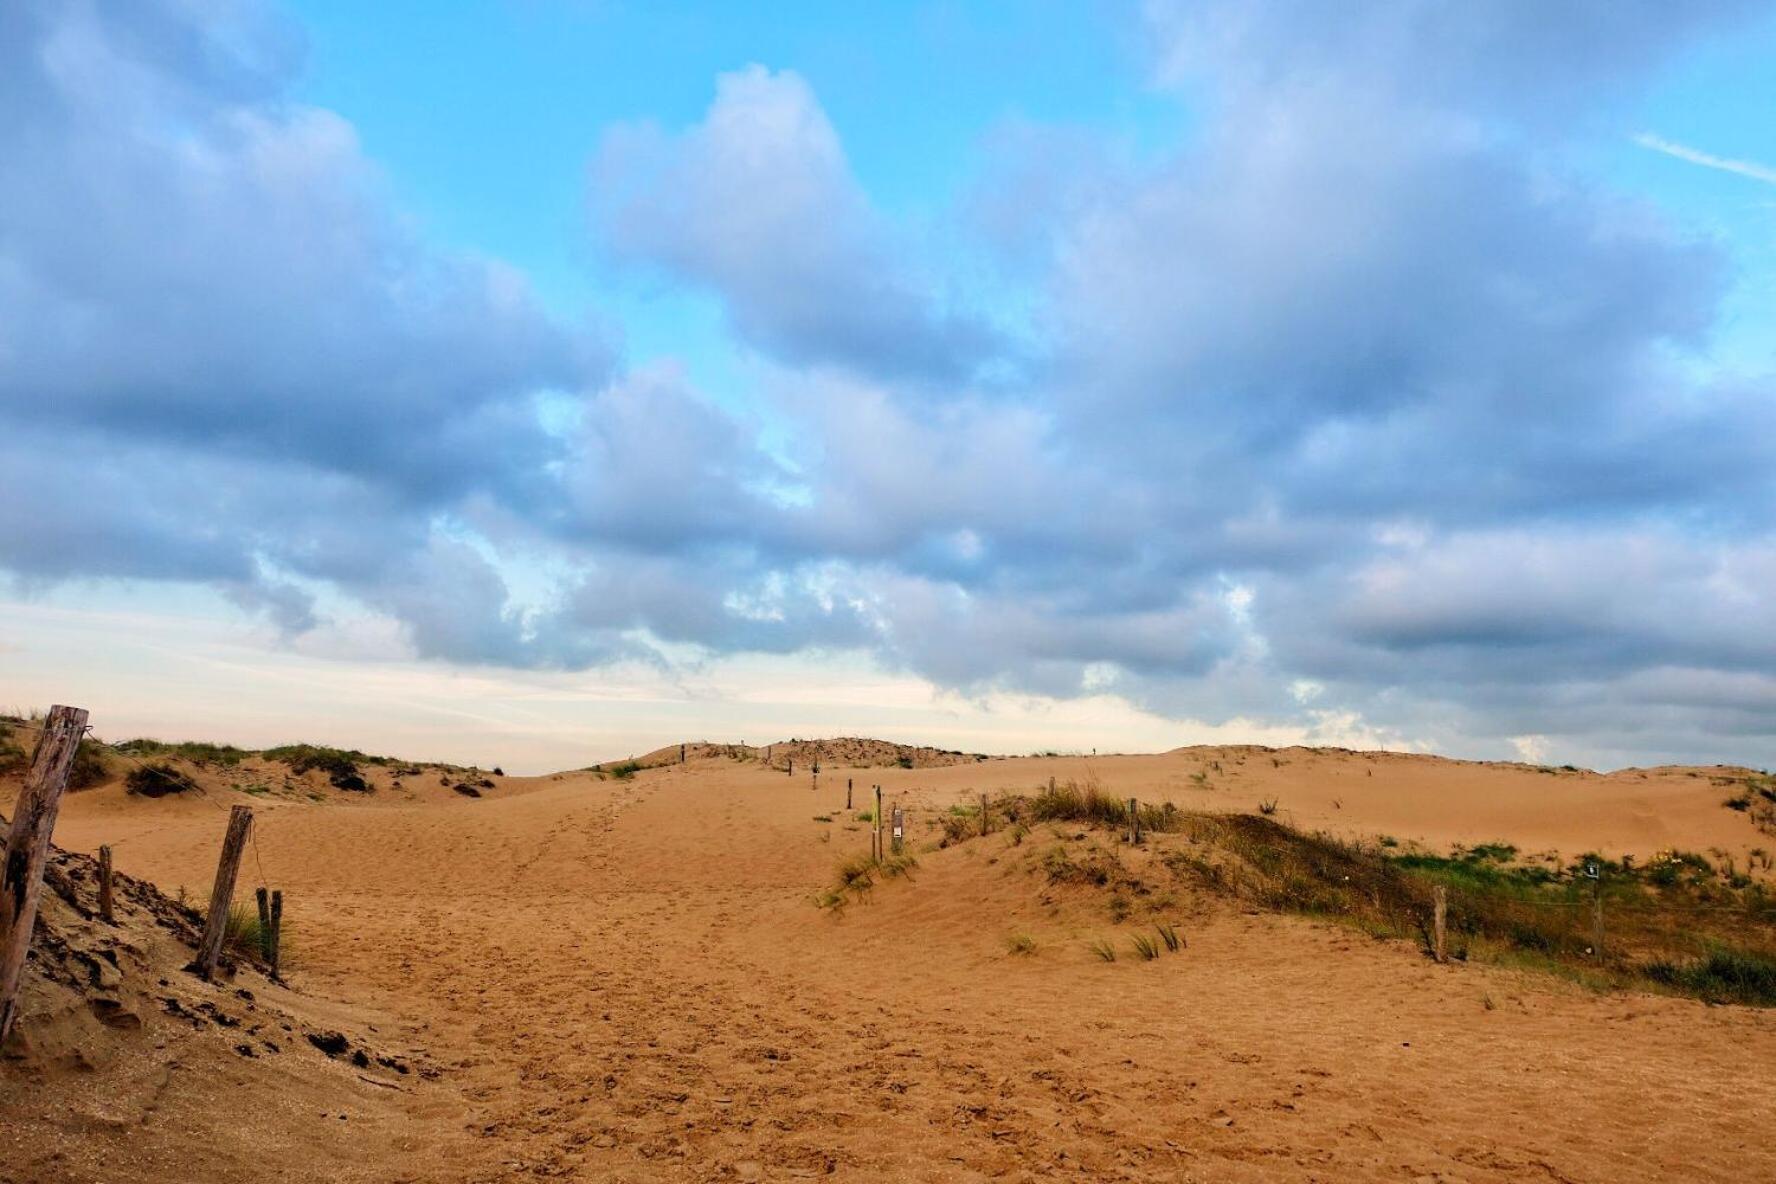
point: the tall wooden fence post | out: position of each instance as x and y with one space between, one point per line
107 907
240 820
277 928
878 823
263 898
27 848
847 793
1440 923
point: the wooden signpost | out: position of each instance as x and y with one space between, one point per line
27 848
234 843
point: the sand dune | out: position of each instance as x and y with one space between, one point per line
624 979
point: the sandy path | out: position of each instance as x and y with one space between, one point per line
625 981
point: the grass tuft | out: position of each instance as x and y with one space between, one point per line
1145 947
1021 944
1104 950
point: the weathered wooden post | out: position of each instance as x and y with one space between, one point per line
847 793
1134 821
1051 783
983 813
27 848
789 766
1439 923
681 754
107 912
877 824
263 898
240 820
898 835
277 928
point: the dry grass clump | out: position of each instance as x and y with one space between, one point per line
858 874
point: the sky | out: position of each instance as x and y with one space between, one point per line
539 381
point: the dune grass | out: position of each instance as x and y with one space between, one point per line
1681 924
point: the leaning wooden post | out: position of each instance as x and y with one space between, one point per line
27 848
277 928
107 912
240 819
1439 923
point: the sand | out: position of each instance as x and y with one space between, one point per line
626 980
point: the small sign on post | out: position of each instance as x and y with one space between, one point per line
899 833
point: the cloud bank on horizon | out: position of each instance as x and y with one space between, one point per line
1364 399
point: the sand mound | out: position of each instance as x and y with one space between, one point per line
848 752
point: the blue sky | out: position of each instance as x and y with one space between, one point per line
1031 374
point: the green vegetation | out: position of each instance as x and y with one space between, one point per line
1145 947
623 770
339 764
196 751
1021 944
1174 941
1103 949
1680 923
244 938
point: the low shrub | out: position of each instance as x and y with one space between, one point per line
157 781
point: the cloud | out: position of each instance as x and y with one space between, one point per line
1355 412
757 203
1726 164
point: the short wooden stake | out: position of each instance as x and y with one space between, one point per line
234 843
1440 923
789 766
878 823
27 848
277 928
681 754
983 813
107 912
847 793
1134 821
1051 783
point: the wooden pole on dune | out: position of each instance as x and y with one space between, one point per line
983 814
263 898
847 793
1440 923
107 912
27 848
1134 821
234 842
878 823
277 928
